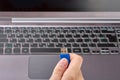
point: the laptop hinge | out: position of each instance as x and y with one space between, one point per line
65 20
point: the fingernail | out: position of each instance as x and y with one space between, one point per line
63 62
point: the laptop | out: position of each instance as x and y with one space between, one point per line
32 32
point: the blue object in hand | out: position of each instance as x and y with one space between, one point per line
65 55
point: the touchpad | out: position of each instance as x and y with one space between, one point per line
41 67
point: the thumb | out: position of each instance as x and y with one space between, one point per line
59 69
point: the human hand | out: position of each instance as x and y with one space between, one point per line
65 71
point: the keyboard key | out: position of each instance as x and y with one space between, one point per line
85 36
36 36
87 40
38 40
42 45
21 40
86 50
8 45
3 36
62 40
8 51
3 40
84 45
76 50
69 36
25 50
1 51
25 45
112 38
17 45
46 40
92 45
79 40
34 45
1 45
108 31
95 40
42 50
16 50
29 40
60 36
106 45
13 40
54 40
104 40
59 45
71 40
67 45
50 45
75 45
77 36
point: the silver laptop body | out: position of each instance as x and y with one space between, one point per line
103 66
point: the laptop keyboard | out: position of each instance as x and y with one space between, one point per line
49 40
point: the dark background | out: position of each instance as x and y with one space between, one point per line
59 5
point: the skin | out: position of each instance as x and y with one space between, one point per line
63 71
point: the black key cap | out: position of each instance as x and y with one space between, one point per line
54 40
95 40
71 40
38 40
77 36
59 45
42 50
106 45
63 40
96 31
34 45
8 45
13 40
8 51
25 45
16 50
85 36
1 51
69 36
104 40
19 35
92 45
46 40
42 45
29 40
3 40
52 35
61 36
75 45
17 45
21 40
3 36
67 45
92 35
86 50
25 50
72 31
101 35
84 45
108 31
87 40
79 40
1 45
44 35
76 50
27 35
112 38
50 45
36 36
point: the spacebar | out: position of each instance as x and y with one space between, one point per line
44 50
